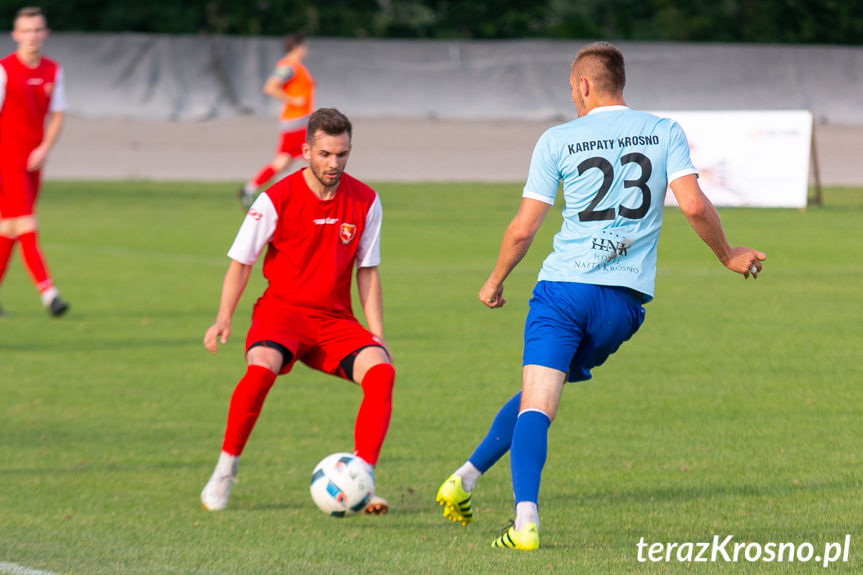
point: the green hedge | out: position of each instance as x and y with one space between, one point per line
759 21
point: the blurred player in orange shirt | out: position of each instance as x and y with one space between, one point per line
32 101
291 84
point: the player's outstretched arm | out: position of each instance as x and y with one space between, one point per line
516 241
704 219
236 279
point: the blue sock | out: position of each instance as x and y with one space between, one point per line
529 448
499 436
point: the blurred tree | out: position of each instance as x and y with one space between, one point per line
774 21
489 18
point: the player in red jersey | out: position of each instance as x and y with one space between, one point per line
293 86
317 224
32 100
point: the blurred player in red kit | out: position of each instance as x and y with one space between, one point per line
32 101
318 224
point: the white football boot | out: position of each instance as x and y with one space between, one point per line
214 497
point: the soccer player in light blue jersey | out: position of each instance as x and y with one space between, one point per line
615 165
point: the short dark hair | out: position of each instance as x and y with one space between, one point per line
29 12
329 121
291 41
603 63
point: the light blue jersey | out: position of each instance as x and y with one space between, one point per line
615 164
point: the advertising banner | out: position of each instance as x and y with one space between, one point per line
749 158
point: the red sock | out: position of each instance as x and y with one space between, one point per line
246 404
373 418
6 245
264 176
33 260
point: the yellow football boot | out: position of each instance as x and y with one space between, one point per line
455 500
526 539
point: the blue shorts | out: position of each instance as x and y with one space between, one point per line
574 327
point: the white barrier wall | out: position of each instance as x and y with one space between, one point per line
749 158
203 77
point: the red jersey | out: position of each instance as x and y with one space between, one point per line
26 96
313 244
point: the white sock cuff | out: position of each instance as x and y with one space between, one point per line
469 475
369 466
526 512
533 409
48 295
228 463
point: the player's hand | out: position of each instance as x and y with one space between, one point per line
491 294
217 333
745 261
37 157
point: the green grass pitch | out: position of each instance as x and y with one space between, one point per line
736 410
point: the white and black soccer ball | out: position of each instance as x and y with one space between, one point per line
342 484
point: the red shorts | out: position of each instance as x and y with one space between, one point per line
18 189
319 339
291 143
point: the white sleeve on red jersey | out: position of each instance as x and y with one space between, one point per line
369 249
58 96
256 231
2 86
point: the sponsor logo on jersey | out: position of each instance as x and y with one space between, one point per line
325 221
255 214
347 232
35 81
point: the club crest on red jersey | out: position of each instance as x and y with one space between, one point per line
49 89
347 232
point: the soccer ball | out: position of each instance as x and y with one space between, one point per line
342 484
